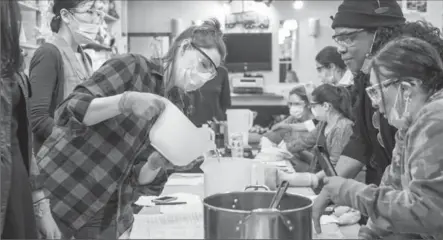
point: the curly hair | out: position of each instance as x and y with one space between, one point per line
418 29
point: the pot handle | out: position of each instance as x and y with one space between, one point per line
256 187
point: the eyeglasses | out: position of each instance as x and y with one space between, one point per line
313 104
346 39
374 92
97 14
206 65
290 104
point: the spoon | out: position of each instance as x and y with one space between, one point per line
279 194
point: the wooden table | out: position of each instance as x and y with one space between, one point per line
349 232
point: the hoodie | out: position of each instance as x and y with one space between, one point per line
410 196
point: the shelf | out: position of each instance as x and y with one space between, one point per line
27 7
110 19
29 45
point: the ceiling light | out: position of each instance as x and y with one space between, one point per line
297 4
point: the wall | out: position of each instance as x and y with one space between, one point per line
155 16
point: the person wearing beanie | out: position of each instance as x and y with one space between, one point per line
361 28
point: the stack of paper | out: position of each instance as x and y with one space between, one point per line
185 180
168 226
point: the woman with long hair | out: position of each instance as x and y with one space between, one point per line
406 86
60 64
98 158
20 207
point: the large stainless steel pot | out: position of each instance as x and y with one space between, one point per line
245 215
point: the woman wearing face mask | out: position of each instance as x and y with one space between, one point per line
407 87
60 64
331 106
98 159
331 68
300 119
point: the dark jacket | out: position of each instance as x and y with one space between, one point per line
24 136
364 145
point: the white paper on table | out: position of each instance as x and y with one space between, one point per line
168 226
185 181
193 204
146 201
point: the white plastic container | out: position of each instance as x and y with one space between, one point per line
177 138
231 174
239 121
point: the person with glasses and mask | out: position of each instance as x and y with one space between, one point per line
361 29
331 106
24 212
406 86
331 68
60 64
98 159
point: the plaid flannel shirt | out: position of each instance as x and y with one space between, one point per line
82 167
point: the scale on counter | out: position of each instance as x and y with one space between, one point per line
247 84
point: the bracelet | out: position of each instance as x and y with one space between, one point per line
41 207
122 102
38 201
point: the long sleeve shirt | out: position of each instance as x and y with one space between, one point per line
83 166
410 196
335 140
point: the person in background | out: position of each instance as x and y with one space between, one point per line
210 102
406 87
22 211
98 159
299 120
60 64
291 76
331 106
330 66
361 29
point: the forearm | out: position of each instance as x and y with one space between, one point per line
147 174
43 129
298 127
101 109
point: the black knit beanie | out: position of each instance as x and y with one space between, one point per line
368 14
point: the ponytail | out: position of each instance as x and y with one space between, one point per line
345 105
338 96
56 22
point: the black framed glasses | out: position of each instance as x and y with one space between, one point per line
347 39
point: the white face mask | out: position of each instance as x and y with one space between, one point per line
193 80
395 118
296 111
86 32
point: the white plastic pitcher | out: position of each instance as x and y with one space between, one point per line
239 121
231 174
177 138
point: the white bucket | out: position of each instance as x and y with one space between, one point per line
231 174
